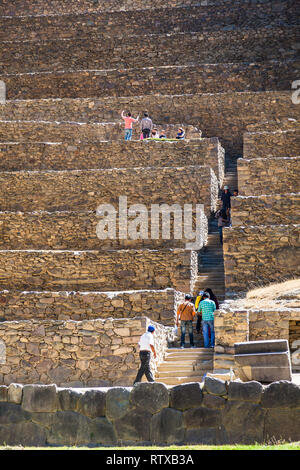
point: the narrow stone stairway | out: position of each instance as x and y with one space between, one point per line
185 365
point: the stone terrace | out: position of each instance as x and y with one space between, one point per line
216 71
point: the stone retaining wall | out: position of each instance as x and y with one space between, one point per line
275 144
211 413
103 52
98 270
175 80
43 131
268 176
99 352
277 209
162 19
231 326
79 231
235 111
85 190
159 306
84 156
255 256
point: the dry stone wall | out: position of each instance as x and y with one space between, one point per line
235 111
211 413
276 144
113 52
87 189
273 209
162 19
99 352
79 231
172 79
98 270
268 176
159 306
37 131
83 156
258 255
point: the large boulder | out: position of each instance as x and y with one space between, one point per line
282 394
167 427
69 428
117 402
92 403
40 398
243 422
186 396
245 391
215 386
134 426
15 392
151 396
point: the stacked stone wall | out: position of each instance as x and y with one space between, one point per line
273 209
99 352
217 413
83 156
256 256
162 19
37 131
98 270
159 306
172 79
79 231
87 189
113 52
235 111
275 144
259 176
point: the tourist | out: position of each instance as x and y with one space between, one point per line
128 124
180 134
207 308
222 222
155 134
146 126
213 297
235 193
162 135
197 302
146 345
225 198
186 313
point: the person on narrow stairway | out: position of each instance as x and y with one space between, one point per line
213 297
146 344
185 313
207 308
225 198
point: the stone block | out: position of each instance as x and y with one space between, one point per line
245 391
117 402
3 393
92 403
22 434
282 424
215 386
167 427
68 399
197 418
15 392
69 428
39 398
282 394
150 396
183 397
243 422
205 436
12 414
134 426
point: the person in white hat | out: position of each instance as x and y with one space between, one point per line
226 195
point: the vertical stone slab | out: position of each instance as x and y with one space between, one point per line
2 92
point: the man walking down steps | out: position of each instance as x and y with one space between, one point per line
186 313
146 344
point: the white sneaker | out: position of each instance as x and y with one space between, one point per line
181 347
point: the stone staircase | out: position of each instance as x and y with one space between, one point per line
185 365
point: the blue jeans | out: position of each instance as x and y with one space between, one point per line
184 325
205 330
128 134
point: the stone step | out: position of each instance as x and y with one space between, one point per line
179 373
96 270
98 52
180 380
76 132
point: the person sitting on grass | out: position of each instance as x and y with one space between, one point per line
180 134
162 135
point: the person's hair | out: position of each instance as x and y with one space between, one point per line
210 292
206 295
235 190
129 113
146 114
187 297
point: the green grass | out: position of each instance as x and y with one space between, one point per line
283 446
